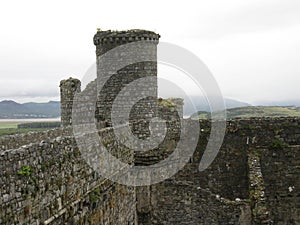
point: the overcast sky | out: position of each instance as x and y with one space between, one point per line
252 47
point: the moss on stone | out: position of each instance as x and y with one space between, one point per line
170 102
277 144
25 171
94 195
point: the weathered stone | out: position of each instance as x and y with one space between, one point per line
253 180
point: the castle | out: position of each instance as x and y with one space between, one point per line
45 178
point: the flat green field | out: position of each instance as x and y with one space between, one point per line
256 111
8 127
9 131
8 124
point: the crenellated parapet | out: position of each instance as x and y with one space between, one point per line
125 35
115 38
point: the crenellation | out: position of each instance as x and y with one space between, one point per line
130 35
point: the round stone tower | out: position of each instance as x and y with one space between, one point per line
114 48
68 89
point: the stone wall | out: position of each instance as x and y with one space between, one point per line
281 173
18 140
49 183
45 177
253 180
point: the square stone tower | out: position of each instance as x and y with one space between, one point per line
68 89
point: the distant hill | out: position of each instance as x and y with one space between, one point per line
201 104
279 103
13 110
256 111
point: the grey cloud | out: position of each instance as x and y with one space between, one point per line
28 88
258 17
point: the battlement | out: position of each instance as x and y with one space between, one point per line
125 36
107 40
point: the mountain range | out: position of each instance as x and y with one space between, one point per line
12 110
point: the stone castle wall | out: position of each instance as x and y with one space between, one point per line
49 182
45 177
253 180
18 140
